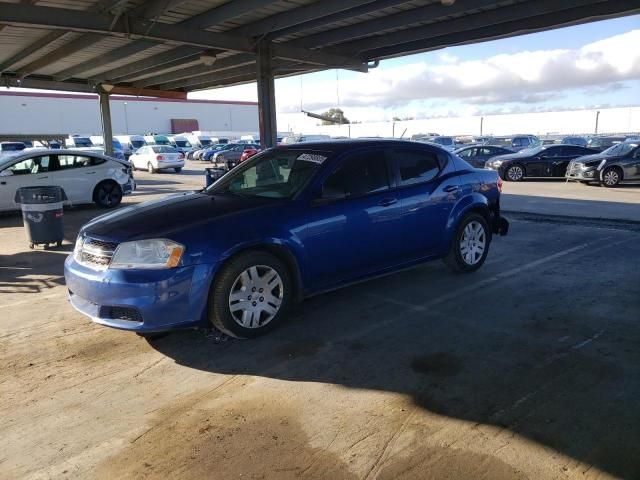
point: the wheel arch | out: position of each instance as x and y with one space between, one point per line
475 203
616 167
102 182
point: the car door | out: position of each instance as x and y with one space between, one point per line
631 165
425 197
77 175
30 172
559 159
355 225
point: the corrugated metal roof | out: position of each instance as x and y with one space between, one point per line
328 23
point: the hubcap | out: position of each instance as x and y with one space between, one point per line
108 195
473 242
256 296
515 173
611 177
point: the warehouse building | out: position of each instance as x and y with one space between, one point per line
27 113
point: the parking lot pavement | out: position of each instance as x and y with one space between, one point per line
528 368
572 199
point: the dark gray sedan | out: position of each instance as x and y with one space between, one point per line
477 155
620 163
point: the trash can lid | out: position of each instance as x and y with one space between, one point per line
40 194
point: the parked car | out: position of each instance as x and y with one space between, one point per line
85 177
447 143
153 158
515 142
77 141
230 156
477 155
603 142
11 149
199 141
208 152
130 143
182 144
118 149
320 216
575 140
248 153
542 161
619 163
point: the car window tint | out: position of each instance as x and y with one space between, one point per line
555 152
466 153
360 174
31 165
485 151
416 167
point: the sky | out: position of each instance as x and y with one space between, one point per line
595 65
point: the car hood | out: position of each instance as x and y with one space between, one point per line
168 216
595 159
507 156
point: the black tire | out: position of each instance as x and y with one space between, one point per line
107 194
584 182
454 258
178 169
611 177
220 313
514 173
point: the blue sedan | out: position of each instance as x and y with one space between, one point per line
290 222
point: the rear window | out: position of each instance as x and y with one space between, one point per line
182 143
164 149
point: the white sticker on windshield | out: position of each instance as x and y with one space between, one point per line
312 157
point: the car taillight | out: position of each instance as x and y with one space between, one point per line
159 157
499 184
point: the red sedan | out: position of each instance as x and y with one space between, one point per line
248 153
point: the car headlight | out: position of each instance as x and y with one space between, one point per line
496 163
150 254
78 246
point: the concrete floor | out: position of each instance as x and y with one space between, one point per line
528 368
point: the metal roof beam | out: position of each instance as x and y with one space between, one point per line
219 65
65 50
203 20
224 75
565 14
45 84
335 17
298 15
427 13
31 49
156 61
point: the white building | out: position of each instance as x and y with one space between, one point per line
27 113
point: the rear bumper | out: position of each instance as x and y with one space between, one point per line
499 224
170 164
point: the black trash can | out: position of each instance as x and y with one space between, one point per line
42 214
211 174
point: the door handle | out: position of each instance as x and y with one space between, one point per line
89 173
387 202
40 178
3 183
450 188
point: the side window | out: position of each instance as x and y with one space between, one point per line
485 151
31 165
467 153
520 142
556 152
360 174
416 166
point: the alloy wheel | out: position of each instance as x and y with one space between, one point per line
611 177
473 243
109 195
256 296
515 173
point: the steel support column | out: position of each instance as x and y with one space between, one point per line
105 117
266 95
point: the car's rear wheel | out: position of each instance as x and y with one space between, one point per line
150 168
178 169
250 295
611 177
514 173
470 245
107 194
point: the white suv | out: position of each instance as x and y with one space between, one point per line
85 177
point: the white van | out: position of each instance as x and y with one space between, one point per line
181 143
130 143
199 141
157 140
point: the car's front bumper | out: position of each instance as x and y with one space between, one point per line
583 175
140 300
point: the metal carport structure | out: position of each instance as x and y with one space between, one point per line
171 47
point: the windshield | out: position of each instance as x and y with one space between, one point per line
443 141
205 142
12 147
137 143
161 141
620 149
272 174
183 143
82 142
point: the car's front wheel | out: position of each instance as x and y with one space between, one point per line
514 173
611 177
470 245
250 295
107 194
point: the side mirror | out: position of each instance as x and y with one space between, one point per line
6 173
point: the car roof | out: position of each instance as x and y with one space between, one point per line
342 145
46 151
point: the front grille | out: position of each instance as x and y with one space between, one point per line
127 314
95 253
574 168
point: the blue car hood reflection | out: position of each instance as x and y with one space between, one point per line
168 215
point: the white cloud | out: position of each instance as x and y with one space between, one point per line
524 77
